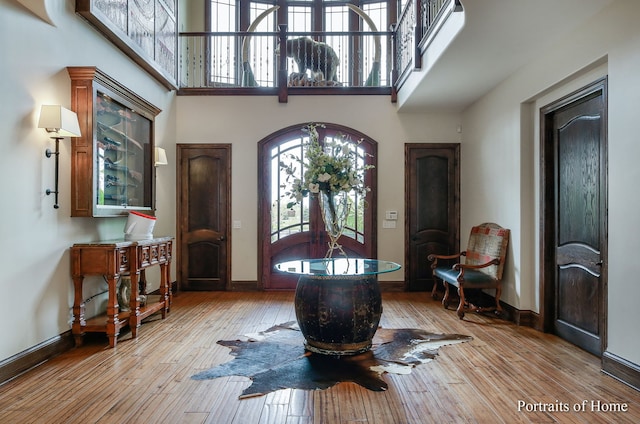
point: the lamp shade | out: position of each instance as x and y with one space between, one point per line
56 119
160 157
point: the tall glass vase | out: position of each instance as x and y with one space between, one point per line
334 208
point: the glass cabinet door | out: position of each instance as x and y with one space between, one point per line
112 161
122 155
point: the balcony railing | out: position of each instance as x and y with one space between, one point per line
257 63
417 20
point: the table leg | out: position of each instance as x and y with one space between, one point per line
113 327
78 310
164 296
134 314
169 291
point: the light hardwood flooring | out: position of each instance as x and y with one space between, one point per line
147 380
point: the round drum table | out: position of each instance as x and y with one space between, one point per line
338 302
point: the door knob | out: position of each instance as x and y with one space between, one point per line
221 238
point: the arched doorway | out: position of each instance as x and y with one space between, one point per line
298 232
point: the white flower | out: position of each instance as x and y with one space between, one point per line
323 178
314 188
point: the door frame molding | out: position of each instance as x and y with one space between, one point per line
548 211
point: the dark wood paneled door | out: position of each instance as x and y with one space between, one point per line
574 146
203 216
432 208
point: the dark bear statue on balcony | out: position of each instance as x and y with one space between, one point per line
315 56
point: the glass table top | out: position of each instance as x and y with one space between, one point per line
337 266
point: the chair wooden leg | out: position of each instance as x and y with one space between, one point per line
460 309
498 307
445 297
434 290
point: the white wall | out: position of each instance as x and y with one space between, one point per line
501 146
244 121
35 238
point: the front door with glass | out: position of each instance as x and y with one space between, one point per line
298 232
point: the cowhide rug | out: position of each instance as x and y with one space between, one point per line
276 359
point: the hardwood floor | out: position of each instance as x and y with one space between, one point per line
147 380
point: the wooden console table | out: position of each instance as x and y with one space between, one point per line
111 259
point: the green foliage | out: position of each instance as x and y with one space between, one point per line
332 166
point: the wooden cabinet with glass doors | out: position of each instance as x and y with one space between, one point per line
112 162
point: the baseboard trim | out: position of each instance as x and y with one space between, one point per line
22 362
525 318
622 370
244 286
392 286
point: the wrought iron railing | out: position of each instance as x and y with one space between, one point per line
416 22
430 13
335 62
243 60
405 40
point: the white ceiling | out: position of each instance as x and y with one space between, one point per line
498 37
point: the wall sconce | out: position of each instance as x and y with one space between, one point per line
160 157
60 123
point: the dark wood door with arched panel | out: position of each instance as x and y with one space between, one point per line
432 208
298 232
574 217
203 216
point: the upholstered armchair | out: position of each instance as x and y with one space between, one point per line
481 269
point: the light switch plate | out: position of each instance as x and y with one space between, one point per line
391 215
388 224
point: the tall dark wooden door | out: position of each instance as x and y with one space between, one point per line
298 232
203 216
575 170
432 205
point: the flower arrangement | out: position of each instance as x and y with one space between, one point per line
331 171
330 168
